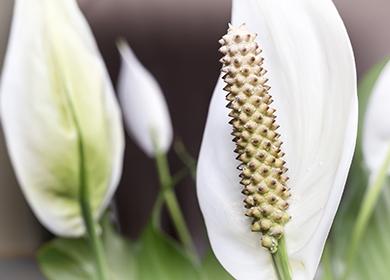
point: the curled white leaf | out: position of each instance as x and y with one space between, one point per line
55 85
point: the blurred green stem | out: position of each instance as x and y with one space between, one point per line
94 239
90 224
367 207
185 157
173 206
156 212
85 205
281 262
327 268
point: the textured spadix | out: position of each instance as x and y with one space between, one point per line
311 71
145 111
55 85
376 129
258 144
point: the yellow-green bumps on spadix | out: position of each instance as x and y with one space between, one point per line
254 129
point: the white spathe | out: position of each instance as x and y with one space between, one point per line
54 85
144 108
312 75
376 129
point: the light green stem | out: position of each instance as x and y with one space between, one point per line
368 205
95 241
327 267
156 212
281 262
85 204
86 209
173 205
186 158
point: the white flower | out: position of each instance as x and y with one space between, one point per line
376 129
145 110
311 72
55 96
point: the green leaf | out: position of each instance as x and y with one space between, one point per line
72 259
357 183
159 257
66 259
212 269
120 254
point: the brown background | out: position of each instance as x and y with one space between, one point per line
177 41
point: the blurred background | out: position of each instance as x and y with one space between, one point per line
177 41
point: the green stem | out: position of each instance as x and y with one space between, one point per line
185 157
327 272
281 263
85 204
369 201
86 211
173 205
156 212
95 241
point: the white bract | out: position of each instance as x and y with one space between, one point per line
142 100
376 129
56 94
311 71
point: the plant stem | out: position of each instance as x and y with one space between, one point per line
281 263
173 205
85 204
86 211
327 267
95 241
185 157
156 212
369 201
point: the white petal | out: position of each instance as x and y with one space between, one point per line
376 129
311 70
144 107
52 68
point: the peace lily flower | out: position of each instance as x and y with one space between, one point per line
376 129
148 122
375 145
311 71
145 110
61 121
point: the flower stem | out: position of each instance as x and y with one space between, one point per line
90 224
327 266
173 205
156 212
95 241
369 201
280 260
186 158
84 199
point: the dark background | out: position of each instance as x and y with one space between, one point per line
177 41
